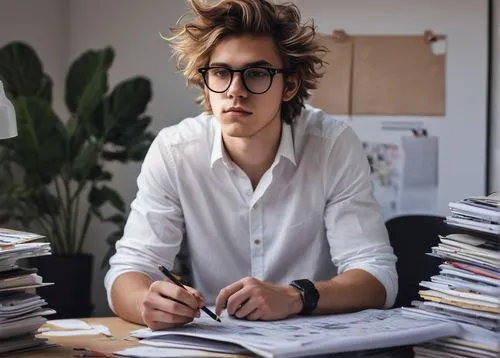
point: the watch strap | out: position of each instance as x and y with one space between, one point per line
309 295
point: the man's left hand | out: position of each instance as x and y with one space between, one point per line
253 300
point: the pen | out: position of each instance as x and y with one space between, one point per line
167 273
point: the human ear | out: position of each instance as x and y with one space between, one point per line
291 87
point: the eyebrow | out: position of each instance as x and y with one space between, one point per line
250 64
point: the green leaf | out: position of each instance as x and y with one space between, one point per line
77 135
87 82
95 197
130 98
140 126
22 72
45 90
85 161
97 174
128 132
136 147
40 145
125 104
45 202
98 119
114 198
138 151
120 156
98 196
97 213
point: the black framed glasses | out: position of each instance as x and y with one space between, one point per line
257 80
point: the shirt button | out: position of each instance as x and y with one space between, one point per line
249 192
254 207
257 242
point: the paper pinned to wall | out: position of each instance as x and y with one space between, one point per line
384 160
404 172
439 47
419 173
421 161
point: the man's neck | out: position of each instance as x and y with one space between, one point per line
255 155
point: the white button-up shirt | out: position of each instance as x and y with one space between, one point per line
311 215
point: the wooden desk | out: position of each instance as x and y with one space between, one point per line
119 328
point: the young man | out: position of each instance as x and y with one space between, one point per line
271 197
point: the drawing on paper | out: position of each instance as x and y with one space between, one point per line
338 330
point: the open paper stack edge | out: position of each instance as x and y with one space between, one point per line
467 288
22 311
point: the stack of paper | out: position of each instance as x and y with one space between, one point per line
21 310
466 290
476 213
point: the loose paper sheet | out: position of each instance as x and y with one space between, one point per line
69 323
161 352
84 330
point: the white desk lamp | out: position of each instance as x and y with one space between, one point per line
8 126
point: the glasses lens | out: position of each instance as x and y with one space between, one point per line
257 79
218 79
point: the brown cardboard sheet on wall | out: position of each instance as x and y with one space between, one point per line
334 88
397 75
381 75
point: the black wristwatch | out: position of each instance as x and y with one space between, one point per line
308 293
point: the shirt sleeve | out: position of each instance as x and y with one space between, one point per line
155 226
354 223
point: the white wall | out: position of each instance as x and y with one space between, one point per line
43 25
60 30
495 127
464 22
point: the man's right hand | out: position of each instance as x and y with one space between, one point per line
167 305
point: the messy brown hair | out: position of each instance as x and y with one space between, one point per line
194 41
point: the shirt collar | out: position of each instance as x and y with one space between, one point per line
218 151
285 149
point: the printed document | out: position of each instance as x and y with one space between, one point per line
311 335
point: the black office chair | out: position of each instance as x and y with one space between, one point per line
411 237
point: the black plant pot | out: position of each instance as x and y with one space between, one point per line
72 277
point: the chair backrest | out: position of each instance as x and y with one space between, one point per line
411 237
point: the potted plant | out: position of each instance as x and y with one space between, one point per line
52 175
